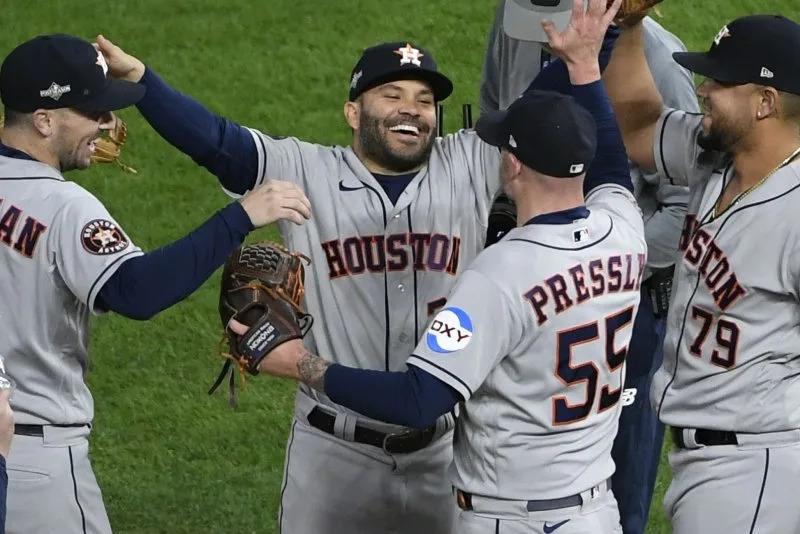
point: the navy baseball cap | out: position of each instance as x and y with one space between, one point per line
388 62
61 71
761 49
549 132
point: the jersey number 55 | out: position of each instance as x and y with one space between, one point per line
588 373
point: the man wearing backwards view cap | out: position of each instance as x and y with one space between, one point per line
64 257
533 337
730 382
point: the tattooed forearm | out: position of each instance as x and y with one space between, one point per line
311 370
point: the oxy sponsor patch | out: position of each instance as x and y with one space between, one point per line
451 330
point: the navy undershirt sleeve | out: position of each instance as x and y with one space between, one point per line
148 284
555 76
220 145
610 163
413 398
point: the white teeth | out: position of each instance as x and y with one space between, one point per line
405 128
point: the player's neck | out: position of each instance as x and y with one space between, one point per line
762 156
532 202
19 141
376 168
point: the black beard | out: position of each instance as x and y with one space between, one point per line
718 138
376 148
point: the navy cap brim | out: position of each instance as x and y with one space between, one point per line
703 64
490 128
117 94
440 84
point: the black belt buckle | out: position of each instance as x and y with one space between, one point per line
659 287
407 441
708 438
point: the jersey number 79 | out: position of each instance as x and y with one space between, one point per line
588 373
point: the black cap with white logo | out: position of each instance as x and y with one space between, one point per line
61 71
387 62
549 132
761 49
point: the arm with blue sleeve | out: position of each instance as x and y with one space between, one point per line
555 76
148 284
220 145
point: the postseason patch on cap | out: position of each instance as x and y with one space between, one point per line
451 330
102 237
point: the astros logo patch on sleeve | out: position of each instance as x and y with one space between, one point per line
103 237
451 330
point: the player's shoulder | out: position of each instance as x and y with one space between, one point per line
266 141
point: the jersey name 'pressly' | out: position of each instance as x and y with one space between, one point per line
561 291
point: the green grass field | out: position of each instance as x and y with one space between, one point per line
169 457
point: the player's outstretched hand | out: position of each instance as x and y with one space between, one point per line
275 200
580 42
6 422
120 64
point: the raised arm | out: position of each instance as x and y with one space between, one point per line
636 101
220 145
580 46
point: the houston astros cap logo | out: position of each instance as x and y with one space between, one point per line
451 330
724 32
409 55
55 91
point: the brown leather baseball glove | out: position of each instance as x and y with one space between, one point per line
262 287
631 11
107 147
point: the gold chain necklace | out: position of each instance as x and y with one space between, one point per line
753 187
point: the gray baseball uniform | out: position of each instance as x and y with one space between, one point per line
59 246
379 272
730 357
539 359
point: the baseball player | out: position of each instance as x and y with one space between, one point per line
397 215
507 71
534 334
729 385
64 257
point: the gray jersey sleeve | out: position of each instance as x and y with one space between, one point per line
619 203
664 203
283 158
88 245
509 65
471 335
675 145
465 150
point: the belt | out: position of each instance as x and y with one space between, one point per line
391 443
38 430
705 437
464 501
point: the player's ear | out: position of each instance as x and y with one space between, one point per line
44 121
767 102
352 112
514 164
